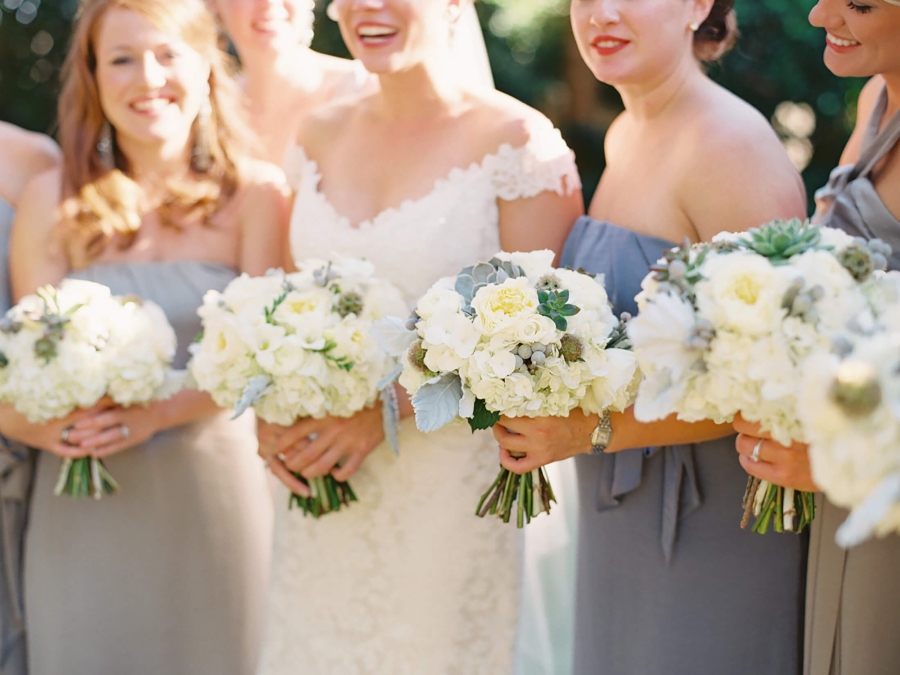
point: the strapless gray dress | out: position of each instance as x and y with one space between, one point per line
853 596
16 474
167 577
667 582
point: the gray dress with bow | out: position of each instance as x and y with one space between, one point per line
667 582
853 596
16 474
166 577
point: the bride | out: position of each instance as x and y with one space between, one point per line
422 177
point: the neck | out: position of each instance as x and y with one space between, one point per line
892 82
154 164
416 92
650 99
267 76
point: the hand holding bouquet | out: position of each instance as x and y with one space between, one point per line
66 348
297 345
728 326
515 337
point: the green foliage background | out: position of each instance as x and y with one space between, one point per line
778 58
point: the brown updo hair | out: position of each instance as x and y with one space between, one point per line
717 35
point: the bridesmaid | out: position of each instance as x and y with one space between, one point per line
154 199
283 79
667 581
24 154
852 597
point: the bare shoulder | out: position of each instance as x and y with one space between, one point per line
734 169
326 123
26 154
256 175
504 120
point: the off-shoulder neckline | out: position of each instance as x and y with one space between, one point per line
440 183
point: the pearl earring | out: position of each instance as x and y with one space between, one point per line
331 11
694 27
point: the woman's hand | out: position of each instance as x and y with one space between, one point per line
542 440
115 429
780 465
51 436
334 445
269 435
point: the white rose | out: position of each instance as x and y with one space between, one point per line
535 328
439 301
535 264
499 306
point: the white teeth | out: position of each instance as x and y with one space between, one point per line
838 42
375 31
150 104
608 44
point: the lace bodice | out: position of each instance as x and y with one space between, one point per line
440 233
408 581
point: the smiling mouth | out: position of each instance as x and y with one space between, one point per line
840 42
375 35
150 105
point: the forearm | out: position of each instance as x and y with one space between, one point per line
184 407
629 433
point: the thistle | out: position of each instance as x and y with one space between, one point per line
855 388
570 348
416 355
857 259
779 240
548 282
349 303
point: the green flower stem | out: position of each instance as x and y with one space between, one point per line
767 501
528 495
326 496
84 477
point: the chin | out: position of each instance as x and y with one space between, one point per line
844 67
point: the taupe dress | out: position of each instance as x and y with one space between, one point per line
167 577
16 474
853 596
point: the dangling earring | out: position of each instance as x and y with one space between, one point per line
201 157
105 150
331 11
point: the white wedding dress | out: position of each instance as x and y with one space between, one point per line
408 581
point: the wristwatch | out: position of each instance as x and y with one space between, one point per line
602 435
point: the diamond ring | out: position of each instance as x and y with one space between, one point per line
64 435
124 430
755 454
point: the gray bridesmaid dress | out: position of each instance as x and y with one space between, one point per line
167 577
853 596
16 474
667 582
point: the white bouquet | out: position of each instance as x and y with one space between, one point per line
728 326
850 411
298 345
65 348
514 337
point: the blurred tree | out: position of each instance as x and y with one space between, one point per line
778 60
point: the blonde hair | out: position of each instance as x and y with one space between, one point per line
105 199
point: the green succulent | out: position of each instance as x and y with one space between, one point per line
554 305
45 348
779 240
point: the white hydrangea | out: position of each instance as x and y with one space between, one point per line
65 348
296 345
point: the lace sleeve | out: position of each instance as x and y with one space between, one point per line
544 163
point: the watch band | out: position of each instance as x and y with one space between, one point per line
602 434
